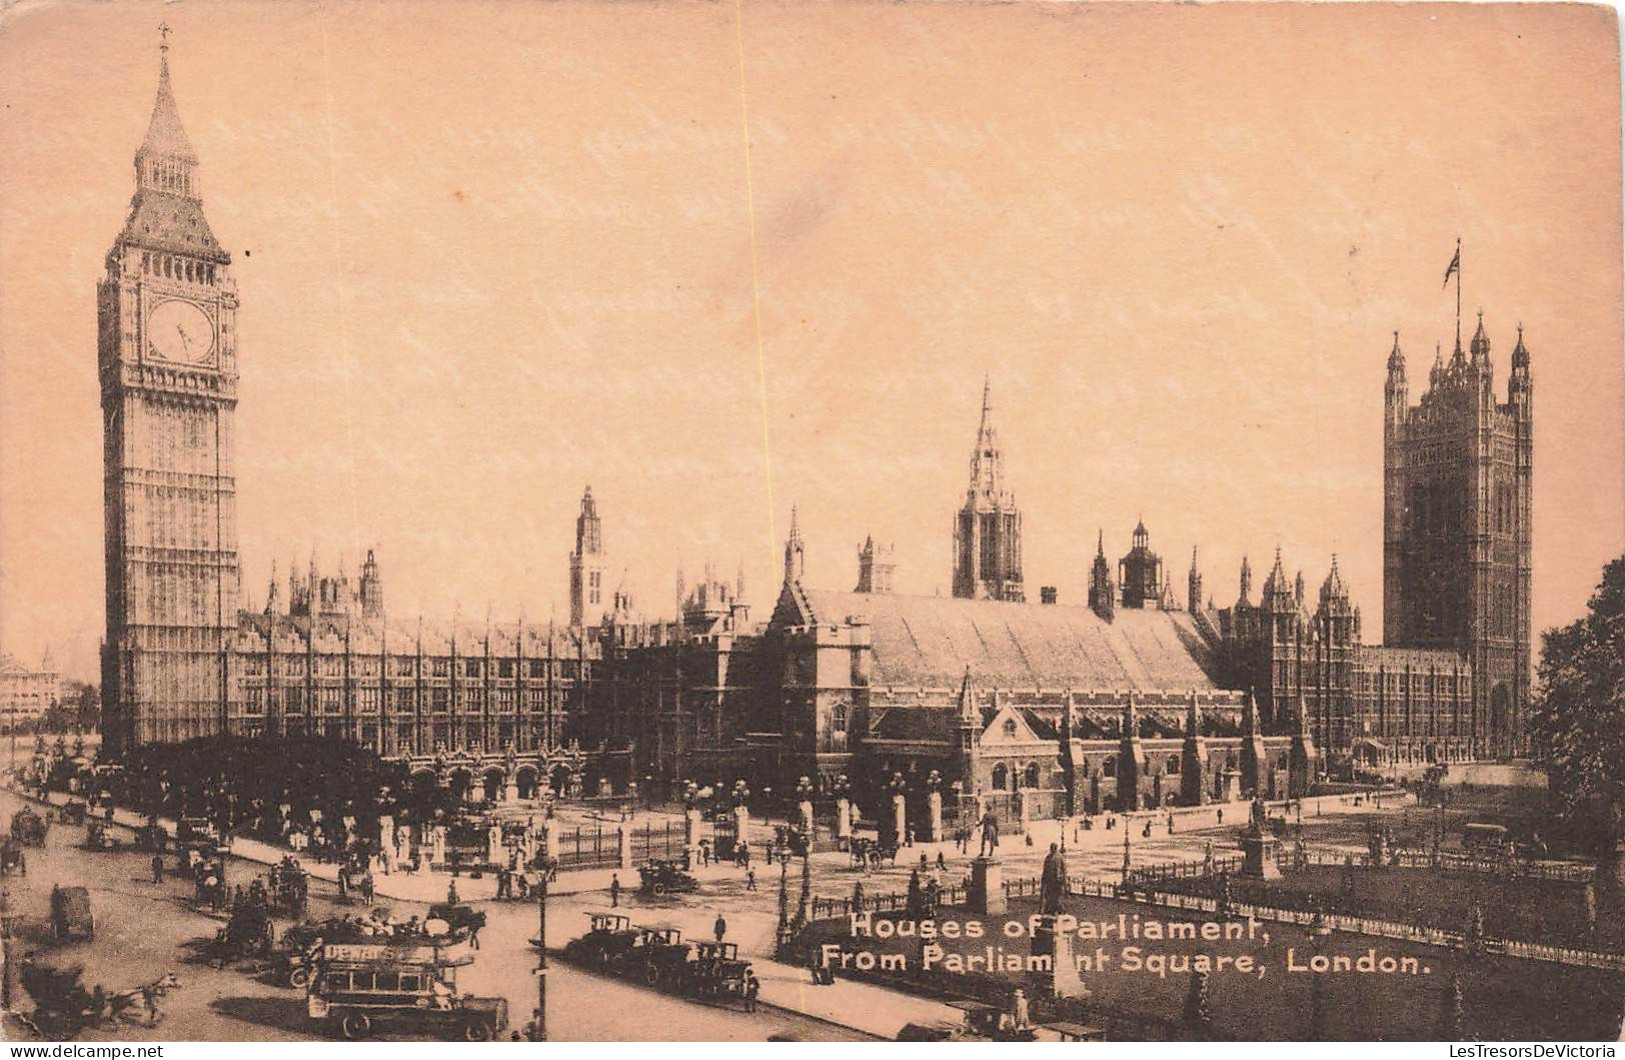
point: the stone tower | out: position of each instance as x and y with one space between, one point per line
1102 592
875 567
372 588
987 530
1140 572
1457 470
167 359
589 567
1193 587
795 551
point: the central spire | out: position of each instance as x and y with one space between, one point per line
166 137
987 528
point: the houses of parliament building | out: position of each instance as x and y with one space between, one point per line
1140 696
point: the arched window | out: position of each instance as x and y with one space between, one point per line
1108 768
1031 779
1173 764
1000 775
1010 728
1281 763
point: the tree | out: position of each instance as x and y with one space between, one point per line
1577 717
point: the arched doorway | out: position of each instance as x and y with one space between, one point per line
461 781
560 780
492 782
525 781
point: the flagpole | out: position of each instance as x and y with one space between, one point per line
1458 292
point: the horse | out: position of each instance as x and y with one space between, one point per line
120 1006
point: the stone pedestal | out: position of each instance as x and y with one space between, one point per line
437 845
933 822
843 821
1063 980
1230 785
1258 856
986 888
494 853
899 816
624 835
691 835
550 838
805 808
742 824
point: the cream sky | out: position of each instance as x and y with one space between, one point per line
488 253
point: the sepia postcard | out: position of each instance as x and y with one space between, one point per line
758 521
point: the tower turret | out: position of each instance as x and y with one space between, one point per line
1102 593
1244 598
1193 586
372 588
589 567
1396 391
987 528
875 567
795 552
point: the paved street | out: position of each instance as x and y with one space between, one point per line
141 929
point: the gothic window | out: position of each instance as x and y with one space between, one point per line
1173 765
837 718
406 699
368 698
536 668
441 698
1108 768
476 699
442 667
505 668
294 700
471 667
1010 728
1030 778
1000 777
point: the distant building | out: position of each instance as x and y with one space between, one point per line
26 692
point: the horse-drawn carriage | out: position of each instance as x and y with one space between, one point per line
355 882
660 878
63 1007
249 933
789 841
70 914
28 827
290 888
870 853
100 836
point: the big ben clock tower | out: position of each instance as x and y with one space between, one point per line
168 367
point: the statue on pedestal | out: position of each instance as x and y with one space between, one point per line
990 835
1052 882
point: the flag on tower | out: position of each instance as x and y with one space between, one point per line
1453 268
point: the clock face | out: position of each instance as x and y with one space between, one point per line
180 331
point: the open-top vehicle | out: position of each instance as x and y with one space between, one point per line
660 878
717 973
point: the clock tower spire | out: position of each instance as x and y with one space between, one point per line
168 370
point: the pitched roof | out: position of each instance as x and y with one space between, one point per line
927 641
165 134
165 221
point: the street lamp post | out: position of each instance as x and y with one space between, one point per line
540 1021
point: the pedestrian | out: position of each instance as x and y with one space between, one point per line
942 862
1221 815
753 986
908 836
451 892
750 879
157 868
720 927
474 935
615 890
